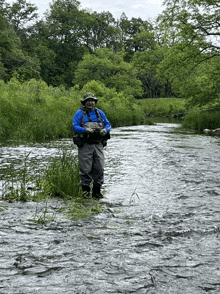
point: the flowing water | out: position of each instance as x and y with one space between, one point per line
160 232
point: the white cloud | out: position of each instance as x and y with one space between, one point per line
144 9
140 8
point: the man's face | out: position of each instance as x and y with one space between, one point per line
90 104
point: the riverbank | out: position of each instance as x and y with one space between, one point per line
33 111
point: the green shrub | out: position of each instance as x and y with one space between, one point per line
34 111
163 106
119 108
200 120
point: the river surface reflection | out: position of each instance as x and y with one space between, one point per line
159 234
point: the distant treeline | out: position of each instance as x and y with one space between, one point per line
70 44
176 55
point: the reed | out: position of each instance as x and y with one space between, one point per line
60 179
199 120
61 176
18 181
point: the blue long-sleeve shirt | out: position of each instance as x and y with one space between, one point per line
77 120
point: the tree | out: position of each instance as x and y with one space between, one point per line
75 32
20 13
110 69
194 20
21 16
5 44
194 26
47 59
100 31
147 63
136 35
65 26
13 60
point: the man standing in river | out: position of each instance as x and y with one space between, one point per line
91 129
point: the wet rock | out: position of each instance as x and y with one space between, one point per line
216 131
209 131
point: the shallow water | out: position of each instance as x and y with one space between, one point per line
160 232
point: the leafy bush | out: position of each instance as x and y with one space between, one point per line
200 120
120 109
34 111
163 106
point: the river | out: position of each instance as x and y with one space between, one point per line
160 232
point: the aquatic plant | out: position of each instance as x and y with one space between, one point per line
60 179
83 208
43 215
3 207
61 176
132 198
18 179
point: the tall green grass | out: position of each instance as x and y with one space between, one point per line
60 179
34 111
200 120
18 180
172 107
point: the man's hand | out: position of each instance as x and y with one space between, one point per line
89 131
103 132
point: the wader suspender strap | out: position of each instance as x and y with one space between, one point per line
100 118
89 117
82 121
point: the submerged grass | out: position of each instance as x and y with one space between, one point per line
83 208
18 180
60 179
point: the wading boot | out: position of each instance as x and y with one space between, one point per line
96 193
86 191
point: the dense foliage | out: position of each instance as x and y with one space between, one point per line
71 50
68 38
193 59
35 111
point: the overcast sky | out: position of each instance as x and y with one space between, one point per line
145 9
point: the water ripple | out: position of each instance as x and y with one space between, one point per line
159 234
